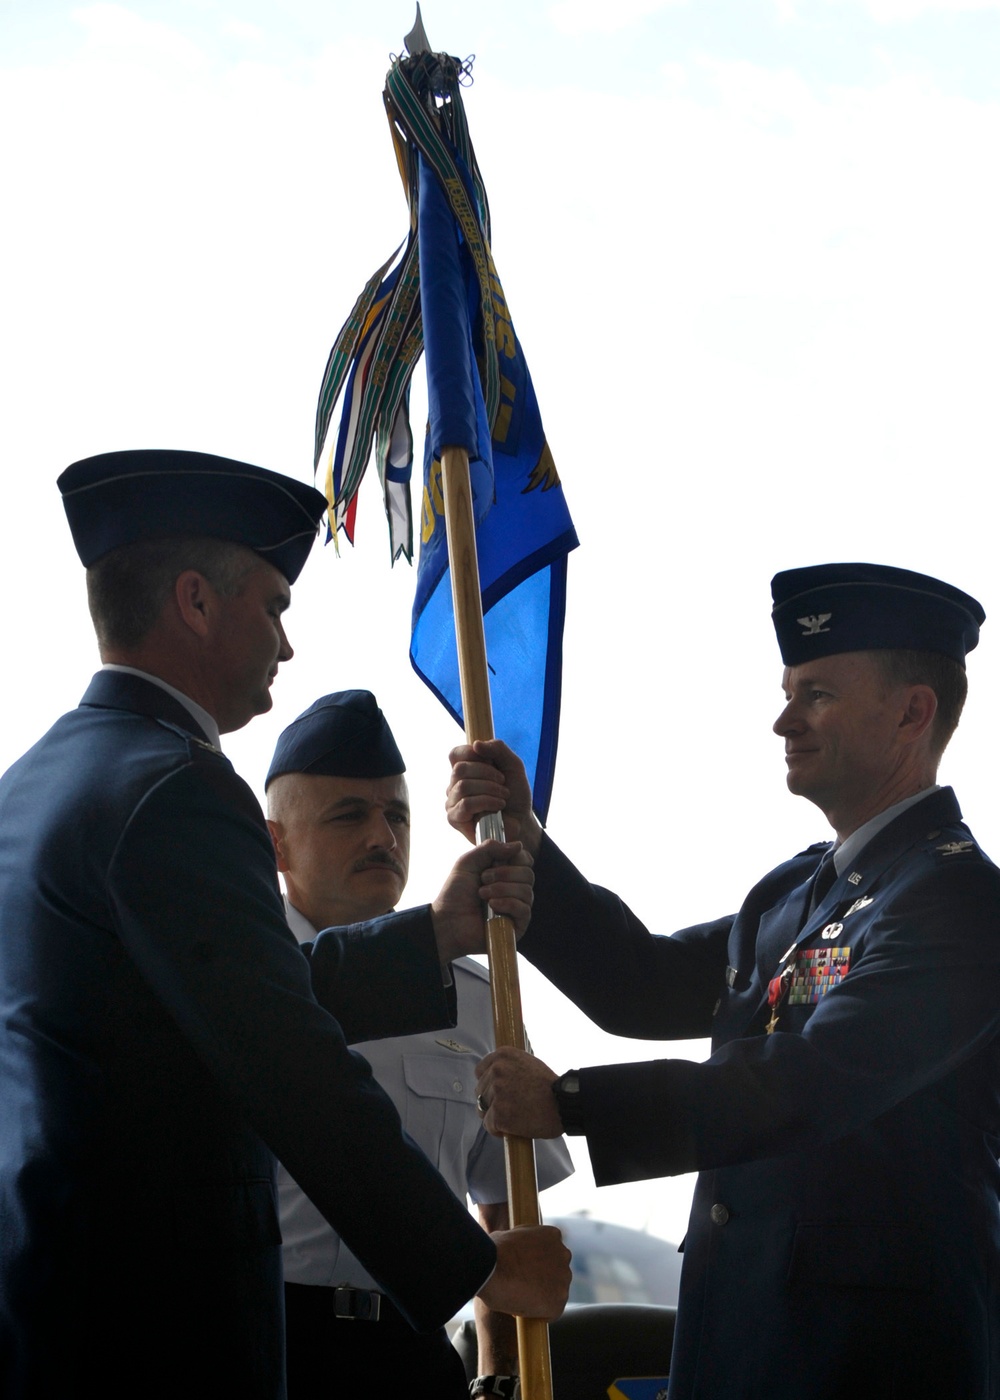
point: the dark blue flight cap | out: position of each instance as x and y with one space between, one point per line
124 497
343 735
831 608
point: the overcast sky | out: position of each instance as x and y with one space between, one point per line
750 248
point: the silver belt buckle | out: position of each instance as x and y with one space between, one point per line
356 1304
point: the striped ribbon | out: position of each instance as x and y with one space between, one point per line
377 349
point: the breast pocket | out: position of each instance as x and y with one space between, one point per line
441 1114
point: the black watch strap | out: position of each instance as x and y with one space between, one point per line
567 1091
508 1387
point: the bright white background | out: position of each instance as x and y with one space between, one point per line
750 247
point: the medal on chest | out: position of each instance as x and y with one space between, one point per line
777 990
806 978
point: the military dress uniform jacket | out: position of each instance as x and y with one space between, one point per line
160 1040
844 1237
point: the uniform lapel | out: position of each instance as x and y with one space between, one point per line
921 822
779 926
785 927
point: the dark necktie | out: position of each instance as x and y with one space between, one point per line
826 873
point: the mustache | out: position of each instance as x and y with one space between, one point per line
379 860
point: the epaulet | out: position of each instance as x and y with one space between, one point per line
192 740
473 968
950 844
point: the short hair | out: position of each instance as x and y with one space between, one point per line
127 588
945 677
284 796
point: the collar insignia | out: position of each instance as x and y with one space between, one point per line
813 624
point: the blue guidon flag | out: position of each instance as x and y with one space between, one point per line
440 293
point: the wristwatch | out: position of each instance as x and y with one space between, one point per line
567 1091
508 1387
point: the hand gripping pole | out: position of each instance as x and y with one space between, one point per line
508 1022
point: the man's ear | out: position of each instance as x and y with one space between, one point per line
278 842
921 706
193 593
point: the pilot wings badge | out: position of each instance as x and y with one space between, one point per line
813 624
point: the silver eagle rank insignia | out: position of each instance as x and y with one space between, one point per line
813 624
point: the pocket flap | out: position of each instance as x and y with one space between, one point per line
442 1077
861 1256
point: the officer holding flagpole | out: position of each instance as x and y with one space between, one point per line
845 1232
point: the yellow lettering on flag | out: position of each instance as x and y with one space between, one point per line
432 509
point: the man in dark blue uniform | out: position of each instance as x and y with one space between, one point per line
845 1236
161 1034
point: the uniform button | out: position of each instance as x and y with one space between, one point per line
719 1214
456 1084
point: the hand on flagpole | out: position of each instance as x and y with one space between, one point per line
497 872
515 1092
487 776
532 1275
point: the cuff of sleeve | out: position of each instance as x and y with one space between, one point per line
637 1126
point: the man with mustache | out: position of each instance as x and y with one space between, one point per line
845 1232
339 817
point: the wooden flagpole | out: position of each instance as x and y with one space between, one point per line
508 1022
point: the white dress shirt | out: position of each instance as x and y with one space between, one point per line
431 1078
